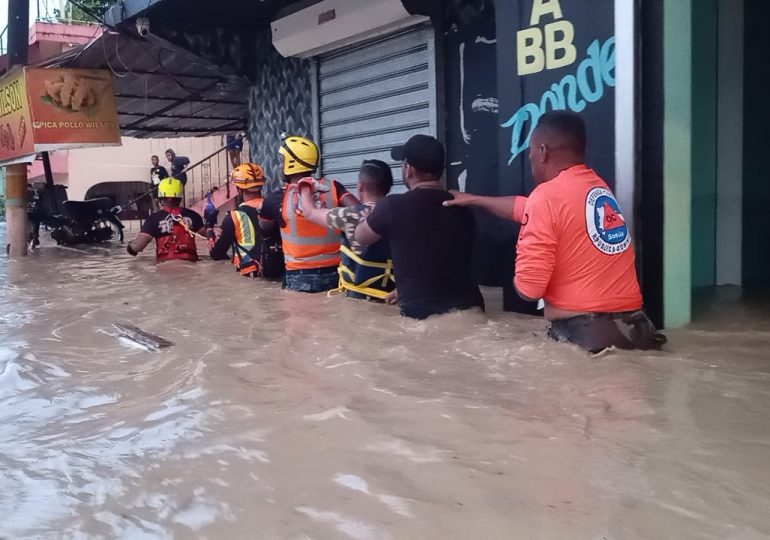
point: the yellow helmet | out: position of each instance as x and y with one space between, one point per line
247 176
300 155
170 188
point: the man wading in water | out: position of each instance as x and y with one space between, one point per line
574 249
173 227
431 244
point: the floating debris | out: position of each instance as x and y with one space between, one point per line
139 338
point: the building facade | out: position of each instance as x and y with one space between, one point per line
672 92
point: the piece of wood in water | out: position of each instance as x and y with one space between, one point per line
139 337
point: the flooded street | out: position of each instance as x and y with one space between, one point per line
281 415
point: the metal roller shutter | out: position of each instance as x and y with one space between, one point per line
373 96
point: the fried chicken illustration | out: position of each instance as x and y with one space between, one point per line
22 131
7 140
73 92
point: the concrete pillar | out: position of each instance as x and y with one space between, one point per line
16 179
16 210
677 162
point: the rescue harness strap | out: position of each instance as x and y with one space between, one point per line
192 233
347 276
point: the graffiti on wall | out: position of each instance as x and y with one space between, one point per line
554 55
471 96
573 92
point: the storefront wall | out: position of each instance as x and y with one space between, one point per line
500 64
506 63
281 101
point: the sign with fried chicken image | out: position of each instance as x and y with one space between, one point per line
15 122
56 109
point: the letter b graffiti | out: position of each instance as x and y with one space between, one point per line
550 48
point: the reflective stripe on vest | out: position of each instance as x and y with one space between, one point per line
245 241
378 286
305 244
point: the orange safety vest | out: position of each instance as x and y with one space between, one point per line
306 245
247 246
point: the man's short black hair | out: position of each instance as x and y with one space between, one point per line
380 174
565 129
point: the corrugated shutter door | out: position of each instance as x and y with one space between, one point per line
374 96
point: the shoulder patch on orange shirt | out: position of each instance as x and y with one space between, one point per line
605 224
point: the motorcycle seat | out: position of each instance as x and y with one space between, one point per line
86 209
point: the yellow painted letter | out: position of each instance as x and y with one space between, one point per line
544 7
559 36
529 51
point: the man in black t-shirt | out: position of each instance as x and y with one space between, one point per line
430 243
158 172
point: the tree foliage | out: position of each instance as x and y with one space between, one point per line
75 13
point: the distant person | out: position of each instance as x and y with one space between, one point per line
431 245
178 166
574 249
365 271
172 227
311 251
254 253
158 172
234 144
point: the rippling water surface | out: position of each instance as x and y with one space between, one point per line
281 415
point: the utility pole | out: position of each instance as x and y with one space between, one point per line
16 179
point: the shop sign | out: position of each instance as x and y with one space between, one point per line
56 109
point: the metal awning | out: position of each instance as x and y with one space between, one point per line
163 90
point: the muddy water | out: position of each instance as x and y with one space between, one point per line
289 416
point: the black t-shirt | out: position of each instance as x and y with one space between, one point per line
431 246
273 205
157 174
160 223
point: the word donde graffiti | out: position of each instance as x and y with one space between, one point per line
573 92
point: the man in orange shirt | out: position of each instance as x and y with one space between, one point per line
574 249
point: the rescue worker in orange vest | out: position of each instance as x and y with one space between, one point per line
311 251
173 227
255 253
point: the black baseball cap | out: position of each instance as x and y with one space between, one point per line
423 152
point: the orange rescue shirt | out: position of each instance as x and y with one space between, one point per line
575 249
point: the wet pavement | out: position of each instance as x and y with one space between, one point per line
281 415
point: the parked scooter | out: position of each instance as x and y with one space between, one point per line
72 222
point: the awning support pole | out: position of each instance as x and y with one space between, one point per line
16 179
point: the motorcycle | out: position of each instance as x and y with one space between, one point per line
71 222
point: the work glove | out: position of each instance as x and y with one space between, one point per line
313 184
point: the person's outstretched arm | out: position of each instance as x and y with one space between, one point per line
510 207
138 244
218 251
311 213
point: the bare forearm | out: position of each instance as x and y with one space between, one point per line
499 206
316 215
138 244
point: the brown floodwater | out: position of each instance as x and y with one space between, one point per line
281 415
